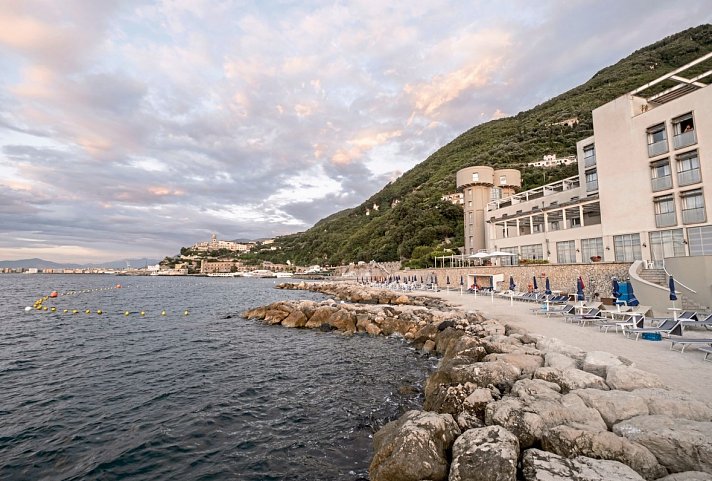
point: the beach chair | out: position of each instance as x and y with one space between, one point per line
594 315
627 321
683 342
705 322
707 351
557 311
668 326
684 316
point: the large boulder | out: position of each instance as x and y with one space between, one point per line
414 447
598 362
570 442
485 454
687 476
614 406
675 404
570 379
296 318
552 344
679 444
343 320
526 362
320 316
627 378
559 361
540 465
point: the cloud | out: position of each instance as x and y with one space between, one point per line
140 126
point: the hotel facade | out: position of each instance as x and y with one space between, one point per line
641 192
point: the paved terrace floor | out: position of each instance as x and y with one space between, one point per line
682 371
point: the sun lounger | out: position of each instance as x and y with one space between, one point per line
668 326
594 315
561 310
707 351
704 322
689 341
628 321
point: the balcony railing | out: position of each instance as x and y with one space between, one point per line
665 220
589 161
662 183
657 148
684 139
693 216
689 177
591 186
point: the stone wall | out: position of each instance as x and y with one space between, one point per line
562 277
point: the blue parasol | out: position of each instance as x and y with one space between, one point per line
632 301
512 285
579 289
535 286
671 285
547 288
616 292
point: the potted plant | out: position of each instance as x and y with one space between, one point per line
595 258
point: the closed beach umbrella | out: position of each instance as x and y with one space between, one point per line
535 286
512 285
632 301
447 280
579 289
421 280
671 285
616 289
547 289
462 281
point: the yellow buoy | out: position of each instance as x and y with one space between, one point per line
88 311
99 311
185 313
53 309
126 313
143 313
163 313
45 308
65 311
74 311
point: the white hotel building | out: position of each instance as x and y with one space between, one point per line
641 192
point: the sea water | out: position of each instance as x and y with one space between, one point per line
196 394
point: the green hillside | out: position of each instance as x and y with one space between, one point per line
411 215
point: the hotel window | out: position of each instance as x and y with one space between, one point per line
683 129
627 247
469 203
688 168
591 248
693 207
502 180
469 217
661 179
700 240
591 181
534 251
666 243
510 260
495 193
472 240
665 211
475 177
566 252
589 156
657 140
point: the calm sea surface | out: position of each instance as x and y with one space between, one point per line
196 397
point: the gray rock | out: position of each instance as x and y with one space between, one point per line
546 344
675 404
679 444
540 465
530 389
559 361
626 378
570 442
570 379
687 476
414 447
485 454
598 362
614 406
528 363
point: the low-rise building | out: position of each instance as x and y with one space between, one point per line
551 161
214 244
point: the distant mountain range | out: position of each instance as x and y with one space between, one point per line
43 264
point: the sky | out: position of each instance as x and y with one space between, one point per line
132 128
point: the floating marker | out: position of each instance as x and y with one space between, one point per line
126 313
28 309
88 311
74 311
53 309
163 313
45 308
99 311
185 313
53 294
65 311
143 313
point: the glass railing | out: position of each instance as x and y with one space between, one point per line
693 216
589 161
684 139
689 177
662 183
591 186
657 148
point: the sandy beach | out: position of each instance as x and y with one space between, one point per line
682 371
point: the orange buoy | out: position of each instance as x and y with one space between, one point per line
118 286
53 294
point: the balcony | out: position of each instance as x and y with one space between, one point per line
693 216
589 161
662 183
591 186
667 219
657 148
684 139
689 177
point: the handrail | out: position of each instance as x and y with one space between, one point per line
677 281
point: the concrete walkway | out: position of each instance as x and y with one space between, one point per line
682 371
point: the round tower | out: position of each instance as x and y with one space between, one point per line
476 185
508 180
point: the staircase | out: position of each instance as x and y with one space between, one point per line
658 276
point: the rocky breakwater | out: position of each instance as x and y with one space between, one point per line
507 405
358 293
